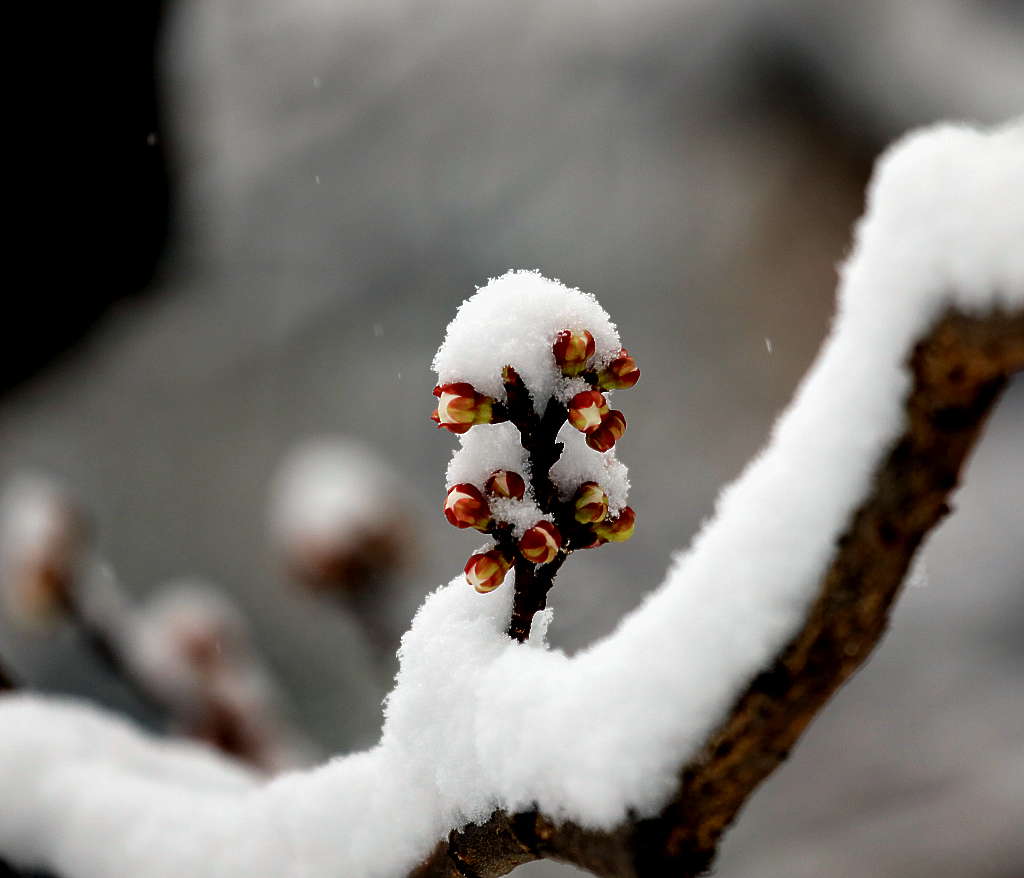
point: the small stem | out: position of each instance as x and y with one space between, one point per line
532 586
537 434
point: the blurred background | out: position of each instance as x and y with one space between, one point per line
257 220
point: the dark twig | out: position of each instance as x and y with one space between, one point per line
532 586
538 435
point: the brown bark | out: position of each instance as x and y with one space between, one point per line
959 369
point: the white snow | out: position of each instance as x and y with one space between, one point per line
580 463
513 321
476 721
485 449
521 514
566 388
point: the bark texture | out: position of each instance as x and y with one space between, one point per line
959 369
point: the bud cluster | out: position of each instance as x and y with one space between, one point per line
588 410
584 520
466 506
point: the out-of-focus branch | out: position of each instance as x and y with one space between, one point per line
959 368
102 644
340 523
191 649
185 657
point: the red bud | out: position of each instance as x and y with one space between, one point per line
465 506
613 426
620 374
619 530
460 407
507 484
591 503
485 571
587 410
540 544
572 350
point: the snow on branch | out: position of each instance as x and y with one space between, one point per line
631 757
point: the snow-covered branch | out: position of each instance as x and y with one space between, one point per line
959 369
635 754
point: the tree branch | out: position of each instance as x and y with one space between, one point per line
959 370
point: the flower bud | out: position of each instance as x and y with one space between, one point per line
572 350
465 506
485 571
540 544
613 425
506 484
459 407
620 374
591 503
619 530
587 410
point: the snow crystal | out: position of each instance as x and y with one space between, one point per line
513 321
580 463
484 450
521 514
567 388
476 721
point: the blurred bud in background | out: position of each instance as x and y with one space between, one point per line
191 648
339 517
43 536
185 657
